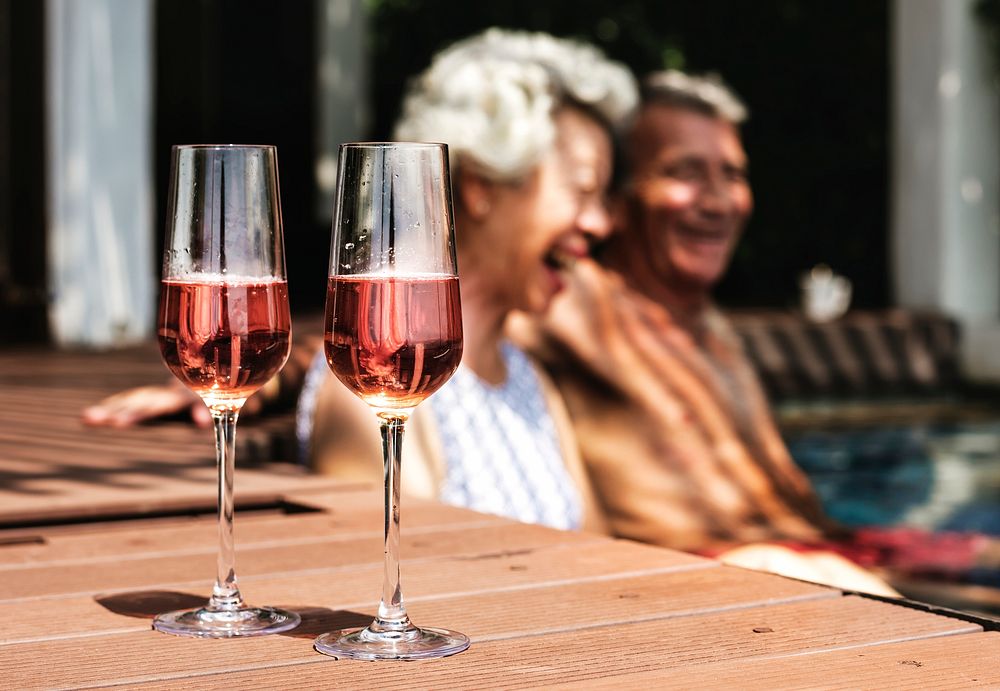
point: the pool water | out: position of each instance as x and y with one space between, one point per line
930 476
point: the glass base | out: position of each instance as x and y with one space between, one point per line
411 644
226 623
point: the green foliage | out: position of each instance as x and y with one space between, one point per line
815 77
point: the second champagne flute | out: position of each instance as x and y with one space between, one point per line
224 331
393 337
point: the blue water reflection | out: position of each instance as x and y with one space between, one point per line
933 476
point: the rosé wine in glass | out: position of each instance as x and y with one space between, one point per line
393 340
224 338
224 332
393 337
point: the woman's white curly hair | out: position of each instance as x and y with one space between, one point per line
492 98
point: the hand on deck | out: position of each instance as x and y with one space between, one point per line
134 406
131 407
144 403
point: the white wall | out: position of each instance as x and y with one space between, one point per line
342 95
946 172
101 268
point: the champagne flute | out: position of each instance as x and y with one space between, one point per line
224 330
393 337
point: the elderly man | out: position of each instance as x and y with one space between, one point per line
672 422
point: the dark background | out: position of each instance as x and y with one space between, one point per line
814 74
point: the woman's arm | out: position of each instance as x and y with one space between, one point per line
131 407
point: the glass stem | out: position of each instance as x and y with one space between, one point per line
225 593
392 615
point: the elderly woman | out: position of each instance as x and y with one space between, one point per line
528 119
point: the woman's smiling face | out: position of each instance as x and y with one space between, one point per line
542 224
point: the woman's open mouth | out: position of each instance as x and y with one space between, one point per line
560 259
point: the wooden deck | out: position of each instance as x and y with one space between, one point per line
105 529
54 467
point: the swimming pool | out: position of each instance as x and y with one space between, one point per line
935 476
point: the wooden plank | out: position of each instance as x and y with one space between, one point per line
196 567
93 473
53 466
956 662
54 433
342 513
138 487
54 368
572 606
320 591
573 657
180 539
84 447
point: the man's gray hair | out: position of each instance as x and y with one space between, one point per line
705 94
493 98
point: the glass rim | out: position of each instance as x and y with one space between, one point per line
223 147
393 145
